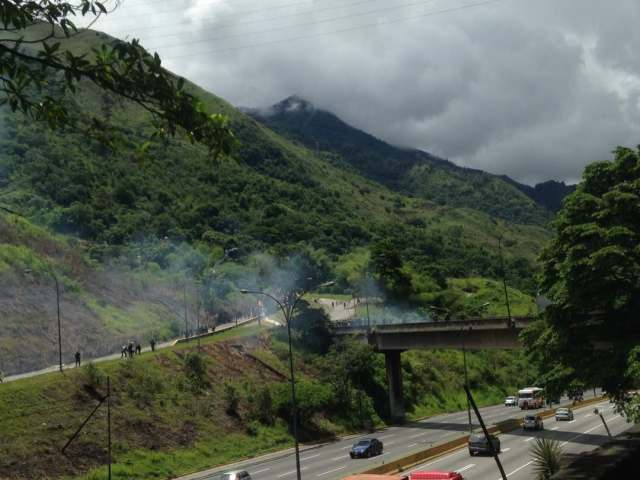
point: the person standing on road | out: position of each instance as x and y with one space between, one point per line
130 349
153 345
77 356
138 349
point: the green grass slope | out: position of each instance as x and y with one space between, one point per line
185 409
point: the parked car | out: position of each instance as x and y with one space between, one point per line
436 475
233 475
532 422
479 444
511 402
367 447
564 414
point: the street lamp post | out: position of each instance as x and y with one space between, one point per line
504 283
55 279
288 308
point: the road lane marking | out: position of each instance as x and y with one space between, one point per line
339 457
412 445
518 469
260 471
418 435
344 448
331 471
506 449
389 443
310 457
529 439
555 428
388 436
466 467
587 431
290 473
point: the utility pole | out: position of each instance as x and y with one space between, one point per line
55 278
101 401
466 377
186 325
109 425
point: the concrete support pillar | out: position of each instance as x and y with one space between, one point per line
394 379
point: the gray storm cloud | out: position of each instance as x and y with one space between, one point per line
534 90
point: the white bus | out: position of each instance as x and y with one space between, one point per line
530 397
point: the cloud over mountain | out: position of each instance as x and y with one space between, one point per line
535 90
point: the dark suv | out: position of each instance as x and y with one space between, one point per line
478 444
367 447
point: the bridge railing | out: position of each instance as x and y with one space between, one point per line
362 323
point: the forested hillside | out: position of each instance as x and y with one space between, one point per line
163 208
409 171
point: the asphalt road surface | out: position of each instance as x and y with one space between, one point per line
583 433
331 461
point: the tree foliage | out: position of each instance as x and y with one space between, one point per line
39 73
591 272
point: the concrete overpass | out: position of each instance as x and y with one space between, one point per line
394 338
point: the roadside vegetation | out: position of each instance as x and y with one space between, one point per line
184 409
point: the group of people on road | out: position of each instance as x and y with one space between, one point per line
129 350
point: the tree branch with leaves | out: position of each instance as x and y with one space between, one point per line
37 72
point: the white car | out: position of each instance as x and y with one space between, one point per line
511 402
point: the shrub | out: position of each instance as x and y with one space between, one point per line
546 455
195 370
94 375
232 399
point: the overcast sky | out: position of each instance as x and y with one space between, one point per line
532 89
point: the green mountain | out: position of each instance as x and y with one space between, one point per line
166 212
409 171
549 194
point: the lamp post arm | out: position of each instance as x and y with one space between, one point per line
278 302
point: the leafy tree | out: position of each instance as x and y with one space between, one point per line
310 327
38 68
591 272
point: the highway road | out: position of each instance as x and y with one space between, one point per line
584 433
331 461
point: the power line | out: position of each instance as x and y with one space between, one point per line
248 22
228 15
306 24
344 30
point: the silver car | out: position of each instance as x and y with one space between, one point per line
564 414
233 475
511 402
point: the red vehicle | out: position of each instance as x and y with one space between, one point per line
436 475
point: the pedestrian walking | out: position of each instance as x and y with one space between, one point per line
153 345
130 349
77 357
138 349
123 351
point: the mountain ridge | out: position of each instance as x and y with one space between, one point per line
400 168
